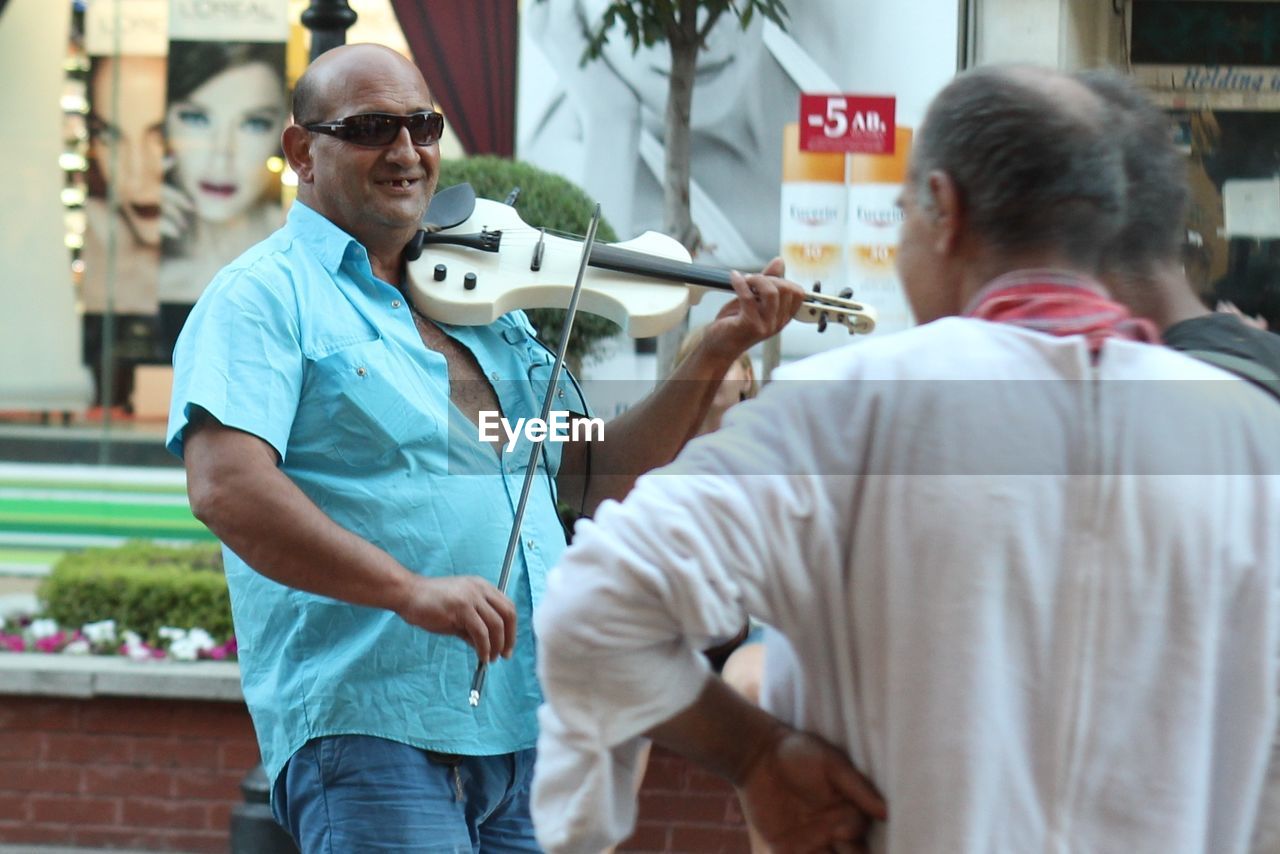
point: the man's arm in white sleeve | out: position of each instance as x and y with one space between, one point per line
801 793
651 581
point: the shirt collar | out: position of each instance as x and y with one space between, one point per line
327 241
1044 276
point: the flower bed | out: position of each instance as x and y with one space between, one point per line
140 600
41 634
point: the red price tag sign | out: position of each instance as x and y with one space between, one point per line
850 123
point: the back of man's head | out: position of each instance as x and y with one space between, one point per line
1154 226
1027 149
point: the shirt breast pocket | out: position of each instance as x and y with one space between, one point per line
372 407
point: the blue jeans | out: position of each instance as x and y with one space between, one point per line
357 793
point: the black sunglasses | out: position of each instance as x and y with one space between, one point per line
375 130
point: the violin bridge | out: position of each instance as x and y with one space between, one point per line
536 263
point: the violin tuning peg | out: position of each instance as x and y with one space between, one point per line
846 293
822 321
817 287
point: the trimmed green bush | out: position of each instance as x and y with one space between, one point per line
142 586
547 201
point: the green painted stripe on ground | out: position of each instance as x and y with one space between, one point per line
95 485
31 509
37 527
31 555
22 523
46 521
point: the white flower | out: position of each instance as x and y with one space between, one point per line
101 632
202 639
43 628
183 651
134 648
80 646
187 645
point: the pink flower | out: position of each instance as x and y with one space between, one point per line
13 643
52 643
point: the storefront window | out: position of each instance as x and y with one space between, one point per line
1216 67
170 167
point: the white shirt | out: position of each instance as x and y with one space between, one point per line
1033 596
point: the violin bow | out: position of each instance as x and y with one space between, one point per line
482 669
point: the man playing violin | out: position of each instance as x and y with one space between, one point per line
1021 562
319 417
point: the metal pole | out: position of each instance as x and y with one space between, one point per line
328 21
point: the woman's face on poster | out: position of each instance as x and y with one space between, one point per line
724 68
136 166
221 137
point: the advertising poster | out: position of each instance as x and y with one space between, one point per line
126 43
227 103
601 124
842 230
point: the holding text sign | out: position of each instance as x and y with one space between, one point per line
849 123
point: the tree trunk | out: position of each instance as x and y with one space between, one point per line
676 218
677 221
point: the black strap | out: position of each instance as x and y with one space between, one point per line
1264 378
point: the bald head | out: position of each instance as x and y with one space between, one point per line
1028 152
333 73
375 188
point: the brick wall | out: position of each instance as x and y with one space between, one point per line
685 809
157 775
163 775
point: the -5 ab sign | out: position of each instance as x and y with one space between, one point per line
846 123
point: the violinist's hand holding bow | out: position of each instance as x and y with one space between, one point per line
766 302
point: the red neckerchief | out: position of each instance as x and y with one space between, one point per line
1059 303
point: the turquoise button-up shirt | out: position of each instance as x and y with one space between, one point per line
298 343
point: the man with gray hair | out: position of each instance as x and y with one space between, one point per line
1144 270
1143 265
1025 580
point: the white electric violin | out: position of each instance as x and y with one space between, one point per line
478 267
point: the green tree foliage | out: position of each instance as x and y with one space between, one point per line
546 201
